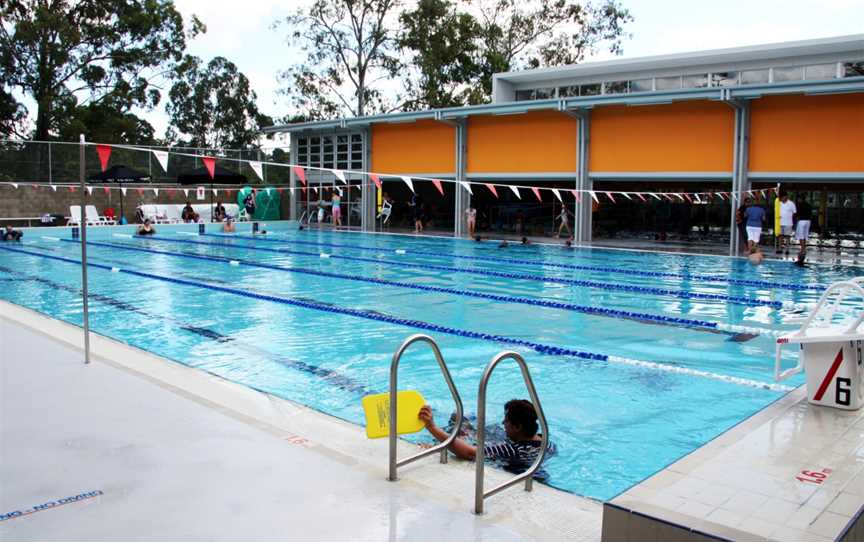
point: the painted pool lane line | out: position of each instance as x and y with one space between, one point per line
330 376
557 265
418 324
50 505
644 318
749 301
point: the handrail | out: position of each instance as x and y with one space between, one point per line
442 447
479 494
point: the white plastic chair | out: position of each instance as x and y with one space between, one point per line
75 216
94 217
172 213
386 209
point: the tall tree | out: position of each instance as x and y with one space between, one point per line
348 47
89 49
444 49
213 105
105 121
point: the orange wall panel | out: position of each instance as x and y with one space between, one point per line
684 136
807 133
419 147
526 143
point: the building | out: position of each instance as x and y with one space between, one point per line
728 120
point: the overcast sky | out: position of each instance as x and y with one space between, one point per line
241 32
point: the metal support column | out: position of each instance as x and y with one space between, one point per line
582 209
368 190
462 197
740 164
293 205
82 223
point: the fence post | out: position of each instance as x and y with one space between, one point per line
82 219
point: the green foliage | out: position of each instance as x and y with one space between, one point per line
105 121
213 105
69 53
348 46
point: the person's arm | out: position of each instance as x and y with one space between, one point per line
459 447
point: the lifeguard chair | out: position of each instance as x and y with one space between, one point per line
831 350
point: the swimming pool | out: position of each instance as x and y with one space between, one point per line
639 358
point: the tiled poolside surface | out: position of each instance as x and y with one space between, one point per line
140 448
793 472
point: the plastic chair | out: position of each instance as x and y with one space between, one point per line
93 216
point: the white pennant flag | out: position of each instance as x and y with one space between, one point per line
162 158
466 186
557 194
215 191
594 196
186 192
123 190
156 191
269 189
655 196
14 185
256 167
626 195
90 190
341 176
409 183
698 199
54 187
515 191
337 189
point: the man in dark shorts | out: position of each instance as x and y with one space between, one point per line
11 235
515 454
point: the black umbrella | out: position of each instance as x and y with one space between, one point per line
120 174
221 175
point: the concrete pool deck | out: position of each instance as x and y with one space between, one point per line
135 447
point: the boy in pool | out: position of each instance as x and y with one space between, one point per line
516 453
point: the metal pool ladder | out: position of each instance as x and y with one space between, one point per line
479 494
442 447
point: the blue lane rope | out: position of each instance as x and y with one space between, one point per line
575 267
328 375
595 311
417 324
749 301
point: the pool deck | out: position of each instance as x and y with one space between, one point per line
136 447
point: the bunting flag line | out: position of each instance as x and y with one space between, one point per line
162 158
409 183
609 195
491 187
537 193
90 190
156 191
641 196
104 189
257 168
466 186
341 176
577 195
210 164
54 188
171 192
437 184
71 188
626 195
186 192
215 191
140 191
104 152
594 196
377 180
687 197
515 191
557 194
300 174
123 190
15 185
655 196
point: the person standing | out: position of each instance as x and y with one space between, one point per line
471 220
417 205
741 223
336 209
249 204
803 215
563 217
754 218
787 220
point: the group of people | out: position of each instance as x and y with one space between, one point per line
795 219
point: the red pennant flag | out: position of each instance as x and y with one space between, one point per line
689 199
667 196
280 190
171 192
71 188
376 180
140 191
35 186
298 171
104 152
210 164
577 195
536 193
491 187
609 195
106 189
641 196
437 184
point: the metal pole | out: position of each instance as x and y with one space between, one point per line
82 223
50 178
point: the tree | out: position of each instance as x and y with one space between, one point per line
213 106
444 49
55 51
11 115
105 121
348 48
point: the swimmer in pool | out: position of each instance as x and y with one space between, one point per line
756 255
146 228
516 453
229 226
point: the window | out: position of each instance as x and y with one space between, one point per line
754 77
564 92
327 152
820 71
853 69
524 95
788 74
544 93
590 90
724 79
695 81
641 85
668 83
615 87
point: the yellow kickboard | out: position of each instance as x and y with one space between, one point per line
377 409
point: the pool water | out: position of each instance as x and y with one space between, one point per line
638 358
